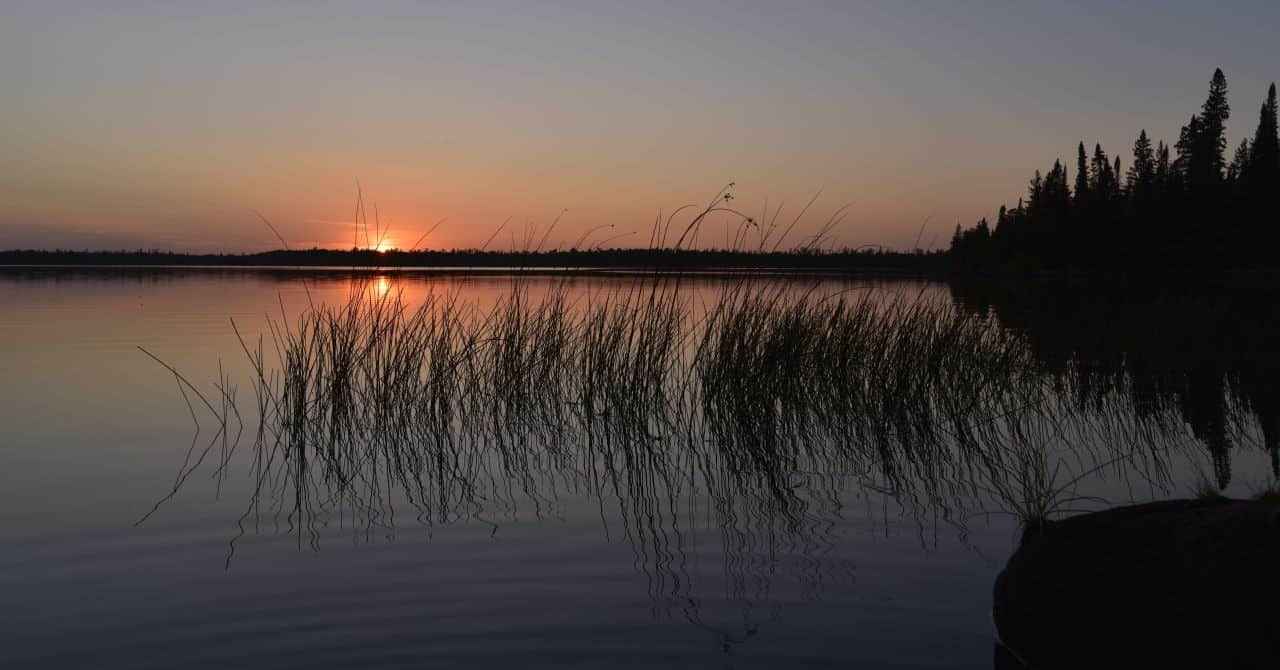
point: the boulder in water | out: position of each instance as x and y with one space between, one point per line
1171 584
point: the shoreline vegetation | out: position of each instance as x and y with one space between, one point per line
1184 208
931 265
756 246
845 261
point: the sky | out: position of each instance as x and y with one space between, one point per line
172 124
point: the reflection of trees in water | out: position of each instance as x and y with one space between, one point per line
754 420
1206 357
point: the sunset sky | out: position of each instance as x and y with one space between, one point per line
167 125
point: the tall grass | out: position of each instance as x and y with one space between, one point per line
769 402
763 381
757 411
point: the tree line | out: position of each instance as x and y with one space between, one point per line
872 260
1183 206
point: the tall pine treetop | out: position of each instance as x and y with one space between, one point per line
1082 174
1264 153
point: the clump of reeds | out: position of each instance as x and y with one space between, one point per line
644 394
763 381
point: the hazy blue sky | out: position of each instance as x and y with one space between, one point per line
166 124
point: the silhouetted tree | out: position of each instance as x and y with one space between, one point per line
1209 140
1239 163
1194 211
1142 173
1115 180
1163 171
1188 141
1264 152
1259 184
1102 177
1082 175
1056 195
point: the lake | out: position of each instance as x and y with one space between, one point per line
605 470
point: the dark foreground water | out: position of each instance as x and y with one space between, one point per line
550 560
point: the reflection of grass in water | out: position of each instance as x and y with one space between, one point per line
768 402
760 402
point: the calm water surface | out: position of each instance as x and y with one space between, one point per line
536 568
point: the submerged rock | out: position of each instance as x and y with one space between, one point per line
1169 584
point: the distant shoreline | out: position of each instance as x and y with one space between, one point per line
488 262
936 265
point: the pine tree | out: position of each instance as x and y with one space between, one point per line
1207 162
1082 175
1102 176
1115 181
1141 175
1097 170
1163 171
1260 182
1264 153
1239 162
1188 142
1034 189
1054 192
